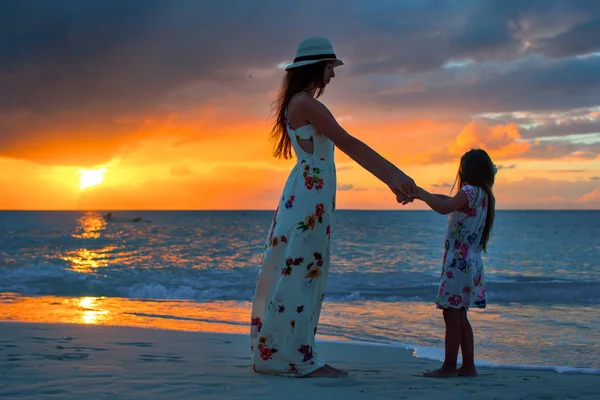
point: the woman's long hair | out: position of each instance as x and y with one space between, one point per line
477 169
296 80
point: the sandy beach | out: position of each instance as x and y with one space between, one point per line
69 361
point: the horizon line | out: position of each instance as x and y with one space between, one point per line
272 210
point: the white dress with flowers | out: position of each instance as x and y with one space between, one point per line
462 280
293 275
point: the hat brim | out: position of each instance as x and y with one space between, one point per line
337 63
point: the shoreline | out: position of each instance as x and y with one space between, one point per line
73 361
505 338
416 352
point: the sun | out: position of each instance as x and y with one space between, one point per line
90 177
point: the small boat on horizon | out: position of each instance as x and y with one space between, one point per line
109 218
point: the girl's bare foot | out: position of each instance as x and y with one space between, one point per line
325 372
443 372
468 371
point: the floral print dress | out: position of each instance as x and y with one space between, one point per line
462 280
293 275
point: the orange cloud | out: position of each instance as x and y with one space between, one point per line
592 197
502 142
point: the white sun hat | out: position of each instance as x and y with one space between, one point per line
313 50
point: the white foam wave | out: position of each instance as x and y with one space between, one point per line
437 354
239 284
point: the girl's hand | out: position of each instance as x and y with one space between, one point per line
403 198
403 183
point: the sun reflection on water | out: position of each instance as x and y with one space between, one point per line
83 260
86 261
90 226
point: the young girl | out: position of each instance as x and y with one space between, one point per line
462 282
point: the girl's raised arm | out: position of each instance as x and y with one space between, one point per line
443 205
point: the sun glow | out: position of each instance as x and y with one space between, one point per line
90 177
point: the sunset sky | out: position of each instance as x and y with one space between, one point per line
155 104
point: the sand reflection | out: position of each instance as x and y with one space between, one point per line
229 316
91 313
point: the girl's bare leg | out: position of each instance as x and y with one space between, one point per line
467 346
452 343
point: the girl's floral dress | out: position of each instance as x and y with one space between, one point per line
292 278
462 280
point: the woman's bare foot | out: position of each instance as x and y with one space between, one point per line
326 372
469 371
442 372
339 371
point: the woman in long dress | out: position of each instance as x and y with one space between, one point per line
292 279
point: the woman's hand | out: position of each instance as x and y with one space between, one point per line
404 200
403 183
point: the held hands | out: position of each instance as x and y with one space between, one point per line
404 188
404 199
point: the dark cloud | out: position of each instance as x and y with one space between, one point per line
95 62
442 185
410 36
418 35
511 166
115 54
345 187
532 84
548 150
581 39
585 121
554 128
72 54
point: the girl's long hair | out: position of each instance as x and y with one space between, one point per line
477 169
296 80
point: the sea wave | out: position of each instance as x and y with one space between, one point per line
239 283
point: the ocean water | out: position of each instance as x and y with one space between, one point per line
197 271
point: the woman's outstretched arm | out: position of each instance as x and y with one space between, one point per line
319 116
